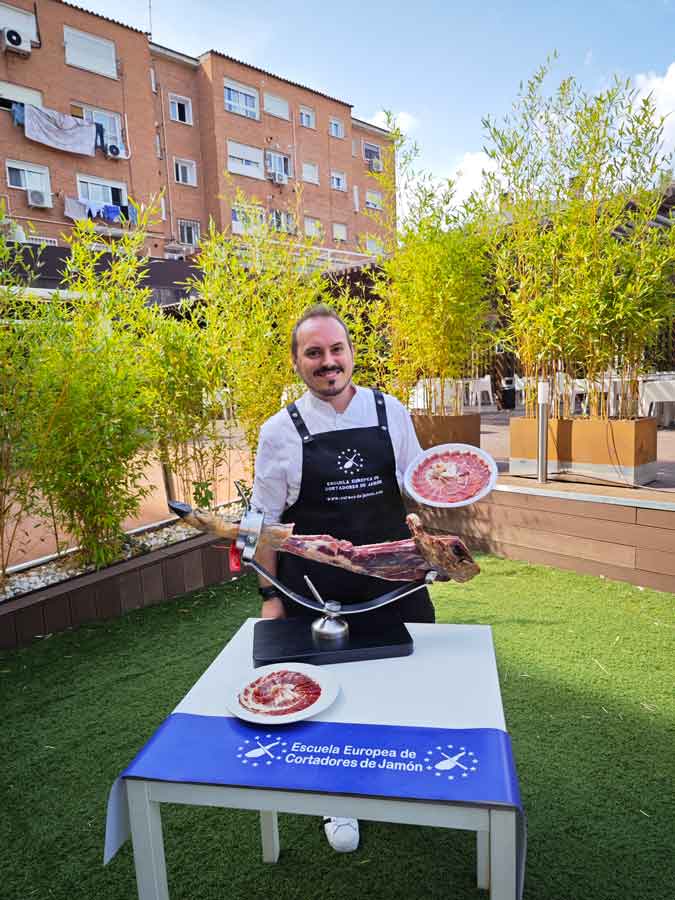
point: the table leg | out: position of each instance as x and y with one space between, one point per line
146 836
483 860
503 869
269 832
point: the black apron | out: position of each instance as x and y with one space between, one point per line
349 491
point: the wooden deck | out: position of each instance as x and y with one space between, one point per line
621 533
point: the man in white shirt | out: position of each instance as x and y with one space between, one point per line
333 463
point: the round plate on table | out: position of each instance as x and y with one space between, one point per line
326 682
450 475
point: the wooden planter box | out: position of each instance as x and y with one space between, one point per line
143 581
432 430
617 450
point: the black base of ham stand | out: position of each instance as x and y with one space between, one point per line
291 640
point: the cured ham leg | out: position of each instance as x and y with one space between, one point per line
406 560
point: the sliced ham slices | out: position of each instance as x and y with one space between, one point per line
451 475
280 693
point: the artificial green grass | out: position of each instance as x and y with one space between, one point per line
586 675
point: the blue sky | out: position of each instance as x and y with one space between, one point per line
442 65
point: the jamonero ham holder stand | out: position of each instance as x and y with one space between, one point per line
445 476
339 633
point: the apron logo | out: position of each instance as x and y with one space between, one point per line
350 460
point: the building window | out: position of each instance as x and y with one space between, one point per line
19 20
110 122
310 172
158 145
355 147
312 227
29 177
374 246
356 197
307 117
339 232
153 80
245 218
180 109
94 190
185 171
278 164
245 160
276 106
371 151
373 199
336 128
86 51
188 232
242 100
338 181
280 220
14 92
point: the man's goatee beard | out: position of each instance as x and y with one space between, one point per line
330 392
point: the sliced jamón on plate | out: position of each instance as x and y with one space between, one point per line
451 475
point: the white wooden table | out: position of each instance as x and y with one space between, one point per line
450 681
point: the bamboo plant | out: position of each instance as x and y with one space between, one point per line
584 265
433 282
257 286
18 316
88 422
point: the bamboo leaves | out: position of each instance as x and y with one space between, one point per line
584 274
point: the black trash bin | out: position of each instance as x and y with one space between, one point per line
508 393
508 398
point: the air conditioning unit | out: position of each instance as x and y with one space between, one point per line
12 41
237 227
113 151
280 178
375 165
41 199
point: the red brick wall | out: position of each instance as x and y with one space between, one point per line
179 140
302 144
146 114
129 95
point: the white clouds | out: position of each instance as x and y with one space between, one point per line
404 120
588 59
468 173
662 89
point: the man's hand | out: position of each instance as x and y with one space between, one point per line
273 609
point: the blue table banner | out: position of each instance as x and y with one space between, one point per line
473 765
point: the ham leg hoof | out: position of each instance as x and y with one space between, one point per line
446 554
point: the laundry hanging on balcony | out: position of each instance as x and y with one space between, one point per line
75 209
58 130
18 116
111 212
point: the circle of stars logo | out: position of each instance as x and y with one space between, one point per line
350 461
262 750
456 762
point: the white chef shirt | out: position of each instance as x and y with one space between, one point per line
278 464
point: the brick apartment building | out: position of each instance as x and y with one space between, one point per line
196 129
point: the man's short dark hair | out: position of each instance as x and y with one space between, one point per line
318 310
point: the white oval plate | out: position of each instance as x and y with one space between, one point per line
461 448
330 688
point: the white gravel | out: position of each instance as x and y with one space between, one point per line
136 544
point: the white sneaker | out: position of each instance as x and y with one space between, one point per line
342 834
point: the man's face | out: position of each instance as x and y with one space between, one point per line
324 361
